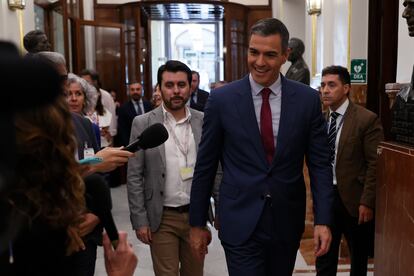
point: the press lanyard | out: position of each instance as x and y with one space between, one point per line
182 147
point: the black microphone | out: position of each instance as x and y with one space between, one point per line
99 202
151 137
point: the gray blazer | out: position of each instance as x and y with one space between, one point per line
146 172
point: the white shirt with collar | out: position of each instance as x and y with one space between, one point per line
275 101
108 103
177 191
339 124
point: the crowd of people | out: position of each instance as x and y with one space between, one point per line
244 144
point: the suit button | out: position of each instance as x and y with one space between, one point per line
162 193
163 175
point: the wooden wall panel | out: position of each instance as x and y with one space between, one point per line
358 94
382 56
235 41
109 13
394 229
257 13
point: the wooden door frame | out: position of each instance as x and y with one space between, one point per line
76 55
382 56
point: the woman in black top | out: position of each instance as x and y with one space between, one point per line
43 206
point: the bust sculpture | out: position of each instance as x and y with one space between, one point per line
402 125
36 41
408 14
298 71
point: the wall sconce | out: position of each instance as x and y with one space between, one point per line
17 4
314 7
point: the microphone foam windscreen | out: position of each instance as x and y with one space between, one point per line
153 136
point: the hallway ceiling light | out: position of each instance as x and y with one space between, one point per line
17 4
314 7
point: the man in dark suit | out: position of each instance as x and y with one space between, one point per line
261 127
127 112
198 97
354 134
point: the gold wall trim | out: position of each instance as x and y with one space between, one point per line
19 14
314 51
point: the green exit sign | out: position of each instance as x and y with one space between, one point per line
358 71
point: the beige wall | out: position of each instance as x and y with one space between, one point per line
405 60
10 23
332 29
293 14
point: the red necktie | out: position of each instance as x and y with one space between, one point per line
266 127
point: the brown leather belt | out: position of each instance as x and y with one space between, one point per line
179 209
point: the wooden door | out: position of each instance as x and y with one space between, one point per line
100 46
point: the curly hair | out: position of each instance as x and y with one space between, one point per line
48 184
89 91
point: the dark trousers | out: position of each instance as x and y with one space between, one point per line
358 238
263 254
82 263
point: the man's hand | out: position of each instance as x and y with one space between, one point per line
365 214
200 238
111 159
122 261
89 222
322 238
144 234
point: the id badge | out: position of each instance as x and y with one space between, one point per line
88 152
186 173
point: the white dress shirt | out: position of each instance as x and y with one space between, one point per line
108 103
177 191
102 121
339 123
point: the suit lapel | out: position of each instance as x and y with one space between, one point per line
248 119
132 110
156 116
195 127
346 128
287 119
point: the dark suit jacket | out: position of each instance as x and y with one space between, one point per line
84 134
126 114
202 97
231 134
356 160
